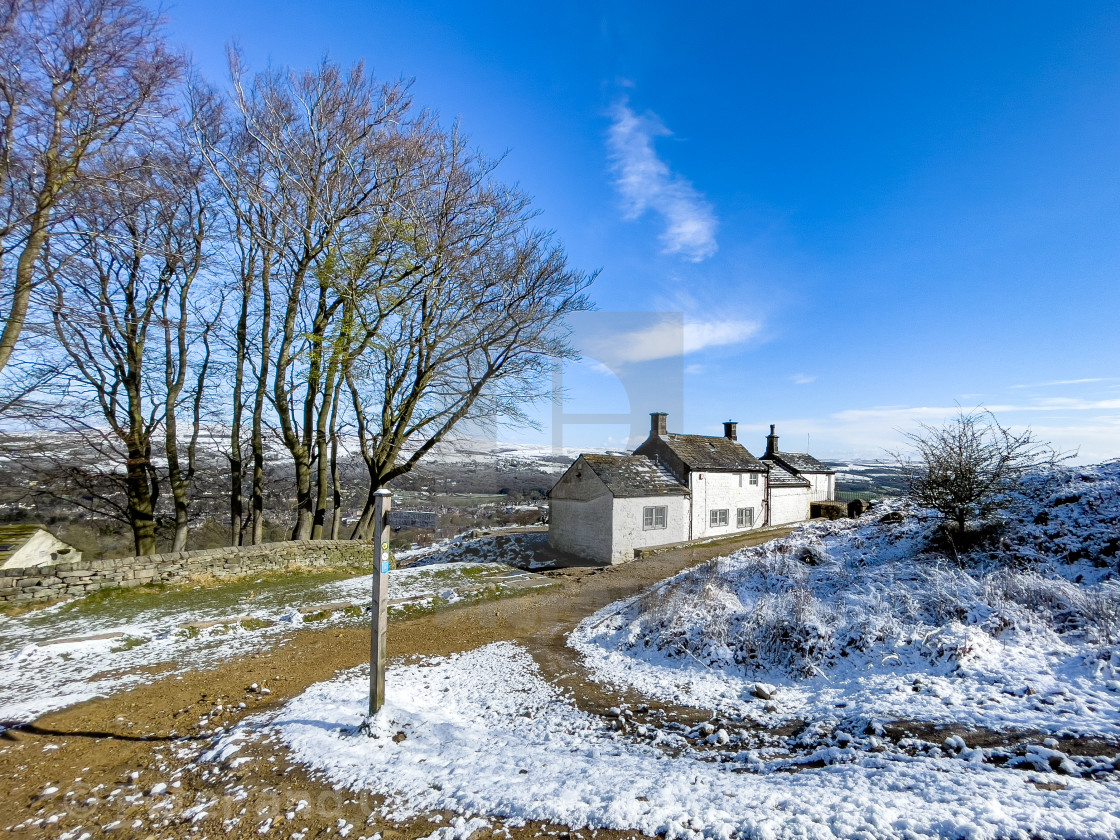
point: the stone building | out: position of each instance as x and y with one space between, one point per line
678 487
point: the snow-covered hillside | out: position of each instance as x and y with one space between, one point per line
870 621
850 680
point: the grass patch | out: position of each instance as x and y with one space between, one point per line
255 623
321 615
128 643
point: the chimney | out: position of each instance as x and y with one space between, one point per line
730 430
658 424
771 443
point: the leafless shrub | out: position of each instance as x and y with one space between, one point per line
967 468
789 631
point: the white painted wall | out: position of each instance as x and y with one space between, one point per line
582 527
629 532
714 490
789 504
823 487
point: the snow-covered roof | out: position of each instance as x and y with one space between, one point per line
781 477
798 462
628 476
700 452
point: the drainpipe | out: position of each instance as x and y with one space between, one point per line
691 502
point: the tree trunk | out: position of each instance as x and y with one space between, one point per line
364 529
302 529
236 461
21 295
336 486
257 499
140 504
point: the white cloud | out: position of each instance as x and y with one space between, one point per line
647 183
1061 382
699 335
925 413
666 338
802 379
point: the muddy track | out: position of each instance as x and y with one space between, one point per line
129 742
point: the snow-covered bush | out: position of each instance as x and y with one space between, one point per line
876 590
788 631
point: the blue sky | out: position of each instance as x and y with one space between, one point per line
867 213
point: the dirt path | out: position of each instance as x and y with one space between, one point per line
92 768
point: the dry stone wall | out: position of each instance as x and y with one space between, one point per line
60 580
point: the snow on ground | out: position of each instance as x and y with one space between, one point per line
853 623
482 734
70 652
512 549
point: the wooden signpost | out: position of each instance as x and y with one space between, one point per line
383 501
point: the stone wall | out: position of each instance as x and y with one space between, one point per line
41 583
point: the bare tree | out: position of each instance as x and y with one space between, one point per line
74 75
476 337
967 468
123 280
326 151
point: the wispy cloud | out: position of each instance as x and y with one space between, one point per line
901 414
1061 382
646 183
802 379
667 337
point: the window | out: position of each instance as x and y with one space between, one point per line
744 517
719 518
740 479
654 517
754 479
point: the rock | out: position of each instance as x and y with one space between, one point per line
761 692
159 789
892 518
843 739
955 743
722 737
856 508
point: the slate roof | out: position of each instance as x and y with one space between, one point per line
798 462
629 476
699 452
781 477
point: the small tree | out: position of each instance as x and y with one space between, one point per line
967 468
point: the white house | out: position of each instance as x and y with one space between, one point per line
24 546
675 488
822 480
605 506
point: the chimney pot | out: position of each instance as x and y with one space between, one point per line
771 443
730 430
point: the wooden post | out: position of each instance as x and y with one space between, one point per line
379 614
